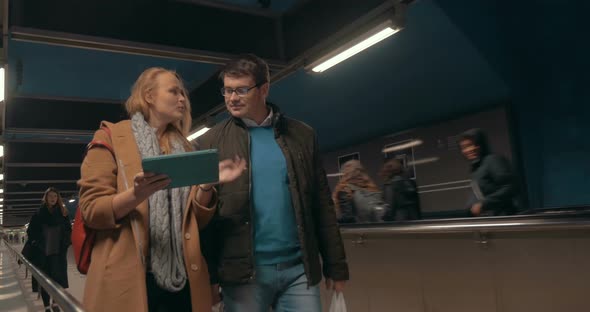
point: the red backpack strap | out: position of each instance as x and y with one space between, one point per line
100 143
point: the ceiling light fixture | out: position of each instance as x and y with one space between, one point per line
353 47
198 133
403 146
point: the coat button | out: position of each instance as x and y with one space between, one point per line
187 236
194 267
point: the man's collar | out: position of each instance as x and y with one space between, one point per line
267 122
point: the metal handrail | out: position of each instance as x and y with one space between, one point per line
520 223
64 299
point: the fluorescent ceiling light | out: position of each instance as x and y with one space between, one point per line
375 35
423 161
1 176
198 133
72 200
1 199
1 191
402 146
2 84
2 152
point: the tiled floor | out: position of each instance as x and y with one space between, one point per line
15 284
12 296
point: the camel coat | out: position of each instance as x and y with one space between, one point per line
116 279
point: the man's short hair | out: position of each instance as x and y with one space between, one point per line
247 65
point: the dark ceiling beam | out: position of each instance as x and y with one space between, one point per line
21 200
122 46
233 8
385 8
22 208
39 181
67 99
17 215
40 192
326 18
47 135
42 165
20 214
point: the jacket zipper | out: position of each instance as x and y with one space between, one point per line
253 276
286 151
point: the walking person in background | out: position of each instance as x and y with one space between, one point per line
49 234
357 197
400 193
493 184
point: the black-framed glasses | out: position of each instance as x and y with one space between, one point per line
241 91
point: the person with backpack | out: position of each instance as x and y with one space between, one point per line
400 193
357 198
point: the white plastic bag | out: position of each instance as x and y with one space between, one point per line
218 307
338 304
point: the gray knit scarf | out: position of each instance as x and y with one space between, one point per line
166 209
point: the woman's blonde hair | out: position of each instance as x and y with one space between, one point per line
353 173
147 82
59 203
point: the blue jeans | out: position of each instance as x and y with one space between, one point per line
283 290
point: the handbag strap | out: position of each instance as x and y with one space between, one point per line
100 143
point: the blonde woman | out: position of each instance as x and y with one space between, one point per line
49 234
147 255
367 206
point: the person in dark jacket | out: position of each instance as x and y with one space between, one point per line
400 193
49 232
356 179
274 222
492 180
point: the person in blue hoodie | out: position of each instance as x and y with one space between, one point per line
493 184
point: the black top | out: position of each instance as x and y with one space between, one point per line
50 231
401 195
495 185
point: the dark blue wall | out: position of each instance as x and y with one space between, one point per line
540 50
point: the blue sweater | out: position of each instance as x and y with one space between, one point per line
275 226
